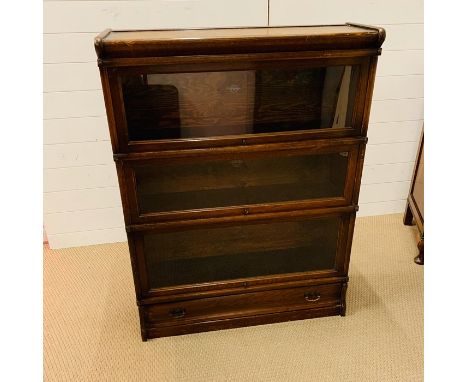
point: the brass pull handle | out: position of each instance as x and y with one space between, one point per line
177 313
311 297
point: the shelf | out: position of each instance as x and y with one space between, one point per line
240 251
192 200
213 104
244 181
230 267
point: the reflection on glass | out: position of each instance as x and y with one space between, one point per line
248 250
202 104
245 180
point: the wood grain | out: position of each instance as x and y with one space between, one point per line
228 199
205 41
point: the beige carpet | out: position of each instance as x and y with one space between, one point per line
91 330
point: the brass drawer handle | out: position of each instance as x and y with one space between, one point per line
177 313
311 297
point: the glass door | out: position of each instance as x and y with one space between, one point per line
211 104
245 180
247 250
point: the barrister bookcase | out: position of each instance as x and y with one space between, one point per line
239 155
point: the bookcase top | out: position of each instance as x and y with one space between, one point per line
153 43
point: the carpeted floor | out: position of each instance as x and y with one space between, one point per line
91 328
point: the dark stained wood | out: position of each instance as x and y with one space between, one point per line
269 176
414 212
241 251
98 41
245 217
408 216
244 61
239 155
245 304
246 145
241 321
344 238
124 44
338 270
143 331
420 258
226 132
348 243
227 288
370 77
343 299
111 118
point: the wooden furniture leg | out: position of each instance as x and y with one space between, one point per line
408 217
420 258
414 212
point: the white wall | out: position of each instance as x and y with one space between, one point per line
397 107
81 198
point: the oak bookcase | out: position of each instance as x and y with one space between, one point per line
239 155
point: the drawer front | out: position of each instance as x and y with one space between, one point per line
216 254
229 183
242 305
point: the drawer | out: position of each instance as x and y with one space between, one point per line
228 182
243 305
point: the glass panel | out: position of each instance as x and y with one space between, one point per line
249 250
188 105
244 180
